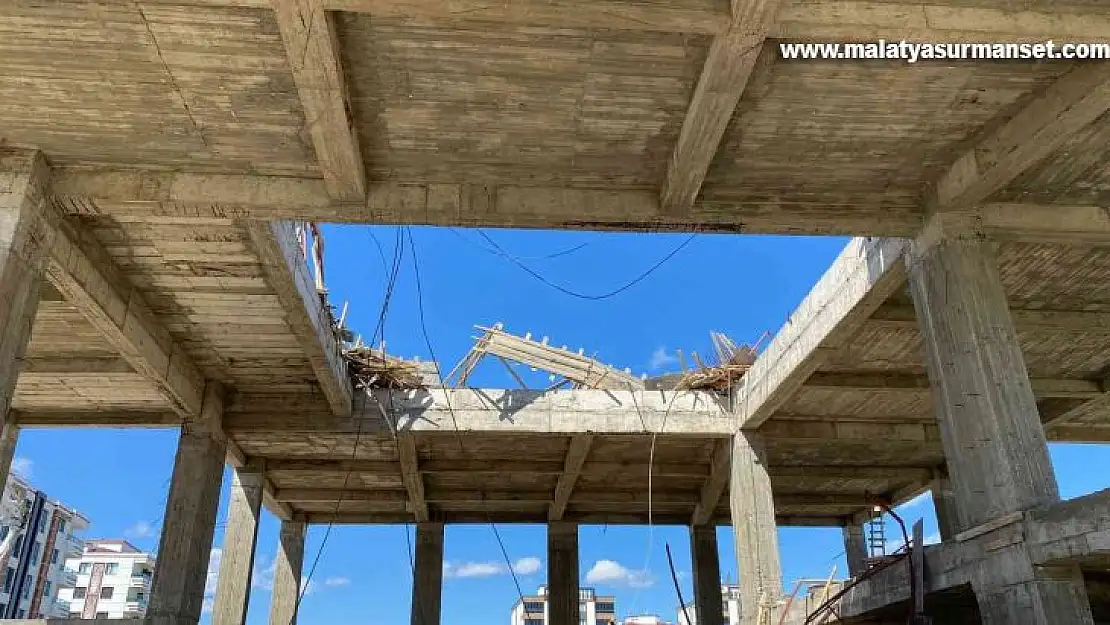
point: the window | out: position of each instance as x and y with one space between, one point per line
4 532
18 546
106 592
46 589
85 567
26 586
36 551
101 615
61 526
533 621
603 621
533 607
9 579
79 592
111 568
20 613
606 607
54 557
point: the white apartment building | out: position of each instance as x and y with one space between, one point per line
730 607
35 572
644 619
113 580
592 609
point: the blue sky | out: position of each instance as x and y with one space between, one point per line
741 285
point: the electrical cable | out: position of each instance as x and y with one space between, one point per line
451 409
565 252
398 256
516 261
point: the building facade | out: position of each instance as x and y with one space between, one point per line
112 580
730 607
592 609
35 571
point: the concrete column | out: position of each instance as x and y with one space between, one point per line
855 549
237 559
177 590
287 574
753 520
562 573
707 575
427 583
26 234
944 503
994 444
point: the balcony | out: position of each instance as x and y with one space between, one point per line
67 578
139 581
134 608
76 547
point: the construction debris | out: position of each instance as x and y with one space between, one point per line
732 362
576 368
373 368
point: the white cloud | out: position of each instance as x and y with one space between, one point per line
527 566
613 573
22 467
142 529
661 359
337 581
472 569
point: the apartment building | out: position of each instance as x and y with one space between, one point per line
730 607
592 609
35 571
112 580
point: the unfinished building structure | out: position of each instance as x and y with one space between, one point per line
151 149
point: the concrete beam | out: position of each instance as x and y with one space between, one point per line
99 418
478 467
82 270
899 317
287 273
691 413
1045 125
313 52
562 573
831 20
867 382
571 516
131 194
714 487
75 364
26 229
865 274
577 452
728 69
177 591
705 562
237 559
287 573
410 474
1075 532
427 586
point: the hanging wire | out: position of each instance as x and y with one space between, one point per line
594 297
